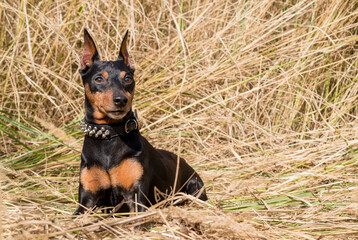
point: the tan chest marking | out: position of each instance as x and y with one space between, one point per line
126 174
94 179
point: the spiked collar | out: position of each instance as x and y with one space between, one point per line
108 131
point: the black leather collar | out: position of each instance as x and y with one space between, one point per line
108 131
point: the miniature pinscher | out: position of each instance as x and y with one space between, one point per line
120 169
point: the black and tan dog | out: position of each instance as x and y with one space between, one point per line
118 164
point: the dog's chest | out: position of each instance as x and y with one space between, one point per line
125 175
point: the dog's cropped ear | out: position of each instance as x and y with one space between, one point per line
123 53
90 53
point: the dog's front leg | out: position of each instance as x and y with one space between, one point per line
136 199
94 181
87 200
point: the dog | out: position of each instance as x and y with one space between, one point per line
120 169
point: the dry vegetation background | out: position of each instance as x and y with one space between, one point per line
260 97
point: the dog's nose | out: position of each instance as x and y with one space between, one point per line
120 100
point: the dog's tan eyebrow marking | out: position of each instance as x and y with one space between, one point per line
95 178
105 74
123 74
126 174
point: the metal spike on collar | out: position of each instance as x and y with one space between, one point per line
83 126
98 133
105 134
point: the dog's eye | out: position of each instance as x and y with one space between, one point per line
98 79
128 79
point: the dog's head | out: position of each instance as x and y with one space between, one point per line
109 85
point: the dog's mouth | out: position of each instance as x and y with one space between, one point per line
116 115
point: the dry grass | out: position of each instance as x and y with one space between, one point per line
262 96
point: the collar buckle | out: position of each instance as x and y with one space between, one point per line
131 124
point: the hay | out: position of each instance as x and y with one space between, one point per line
261 96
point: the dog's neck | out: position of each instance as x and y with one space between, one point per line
107 131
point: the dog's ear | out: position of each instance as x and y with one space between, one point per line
123 53
90 53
